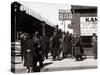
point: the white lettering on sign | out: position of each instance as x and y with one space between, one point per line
88 26
65 15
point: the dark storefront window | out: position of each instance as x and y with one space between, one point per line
86 41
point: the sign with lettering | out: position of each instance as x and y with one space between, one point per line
65 15
88 26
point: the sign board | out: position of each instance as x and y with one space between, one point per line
65 15
88 26
70 26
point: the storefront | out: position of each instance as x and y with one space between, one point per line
84 23
22 20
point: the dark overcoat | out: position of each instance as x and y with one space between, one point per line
55 46
94 44
37 50
45 45
28 59
78 50
67 42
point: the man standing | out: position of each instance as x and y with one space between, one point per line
66 44
55 46
37 52
78 52
45 46
26 46
94 44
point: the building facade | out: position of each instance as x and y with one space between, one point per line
84 23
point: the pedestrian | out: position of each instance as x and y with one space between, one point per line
55 46
94 45
82 50
50 45
70 45
37 53
61 47
66 45
78 52
22 45
27 52
40 52
45 45
74 38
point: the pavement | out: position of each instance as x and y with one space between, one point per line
49 65
65 64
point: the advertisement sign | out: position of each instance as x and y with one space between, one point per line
88 26
65 15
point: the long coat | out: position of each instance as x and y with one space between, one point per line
67 44
27 54
74 39
94 44
23 52
55 46
70 45
45 44
78 50
37 50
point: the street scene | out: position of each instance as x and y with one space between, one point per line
53 37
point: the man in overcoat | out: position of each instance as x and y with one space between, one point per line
94 45
55 46
27 52
66 44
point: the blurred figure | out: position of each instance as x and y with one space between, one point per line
78 52
27 52
55 46
50 45
94 44
82 51
45 46
70 45
37 52
74 38
66 44
61 47
22 38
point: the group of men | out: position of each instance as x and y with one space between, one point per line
67 45
33 50
37 48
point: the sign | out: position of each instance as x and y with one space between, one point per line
88 26
65 15
70 26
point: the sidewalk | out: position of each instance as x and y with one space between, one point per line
65 64
70 64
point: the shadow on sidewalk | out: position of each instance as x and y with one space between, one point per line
45 64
